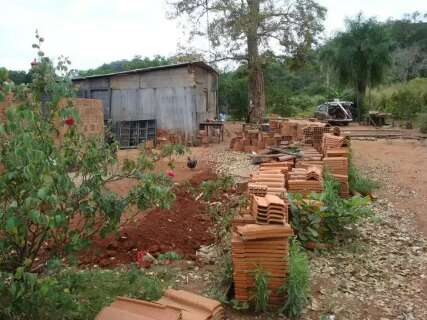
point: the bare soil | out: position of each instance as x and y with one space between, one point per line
406 162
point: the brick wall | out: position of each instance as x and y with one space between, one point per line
91 116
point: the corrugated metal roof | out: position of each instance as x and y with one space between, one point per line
200 64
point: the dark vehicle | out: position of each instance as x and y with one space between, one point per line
335 112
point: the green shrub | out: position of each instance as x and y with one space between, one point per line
261 295
321 217
403 100
298 284
49 184
422 122
212 189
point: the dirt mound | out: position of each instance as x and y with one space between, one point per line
202 176
183 229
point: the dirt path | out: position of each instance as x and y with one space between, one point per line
405 161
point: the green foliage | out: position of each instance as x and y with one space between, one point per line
53 192
298 284
71 293
171 255
322 217
125 65
422 122
233 93
261 295
403 100
212 189
360 55
360 183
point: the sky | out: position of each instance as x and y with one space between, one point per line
92 32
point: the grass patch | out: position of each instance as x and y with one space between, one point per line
262 293
298 285
360 183
95 288
171 255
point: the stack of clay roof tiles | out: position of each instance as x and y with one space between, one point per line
336 165
243 219
132 309
273 180
260 246
305 181
310 157
269 210
193 306
174 305
331 141
283 166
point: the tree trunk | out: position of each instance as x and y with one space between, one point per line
361 92
255 75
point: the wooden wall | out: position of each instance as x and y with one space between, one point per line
177 98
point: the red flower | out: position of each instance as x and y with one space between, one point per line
171 174
69 121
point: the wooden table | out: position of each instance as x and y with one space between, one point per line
214 125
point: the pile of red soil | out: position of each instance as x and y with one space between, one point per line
183 229
205 175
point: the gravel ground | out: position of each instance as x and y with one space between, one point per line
380 274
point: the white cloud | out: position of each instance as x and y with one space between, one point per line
92 32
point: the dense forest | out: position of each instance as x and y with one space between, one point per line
387 73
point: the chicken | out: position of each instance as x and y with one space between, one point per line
191 163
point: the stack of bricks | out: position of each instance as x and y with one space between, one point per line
262 247
269 210
313 134
248 140
257 189
305 181
91 116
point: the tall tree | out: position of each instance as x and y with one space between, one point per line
360 55
243 30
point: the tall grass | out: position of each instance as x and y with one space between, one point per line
360 183
262 293
298 285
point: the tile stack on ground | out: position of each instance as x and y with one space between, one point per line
331 141
310 157
132 309
305 181
260 246
336 165
275 182
193 306
174 305
242 220
269 210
